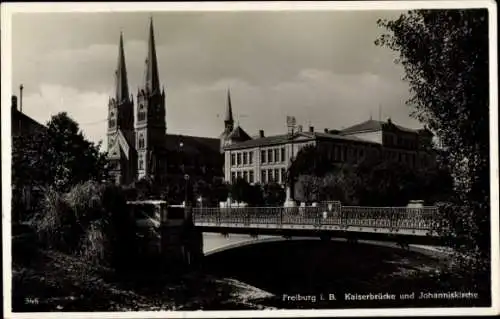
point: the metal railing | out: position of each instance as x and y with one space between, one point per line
342 216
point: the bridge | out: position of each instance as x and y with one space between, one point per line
188 233
394 224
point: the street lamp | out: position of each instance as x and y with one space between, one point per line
289 202
186 179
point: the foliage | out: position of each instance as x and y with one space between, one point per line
340 185
273 194
219 190
308 188
310 160
58 157
241 191
445 57
90 220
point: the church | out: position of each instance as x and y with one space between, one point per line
138 143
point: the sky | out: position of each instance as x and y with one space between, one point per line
321 67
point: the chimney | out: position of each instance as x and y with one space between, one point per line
14 102
261 133
389 121
326 130
311 129
21 87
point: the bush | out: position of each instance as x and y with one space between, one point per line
91 221
51 224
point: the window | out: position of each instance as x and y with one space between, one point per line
238 159
141 114
270 175
263 176
250 177
112 123
239 174
250 158
283 175
283 154
276 175
270 156
233 159
276 155
233 177
141 162
141 140
245 176
245 158
262 156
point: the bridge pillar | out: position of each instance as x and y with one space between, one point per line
181 243
289 201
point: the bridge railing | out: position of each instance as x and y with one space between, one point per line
343 216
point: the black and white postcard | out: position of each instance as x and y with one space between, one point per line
250 159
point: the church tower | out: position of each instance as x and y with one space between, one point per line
228 122
150 125
120 132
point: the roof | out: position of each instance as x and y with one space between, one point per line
285 138
373 125
238 134
26 122
192 144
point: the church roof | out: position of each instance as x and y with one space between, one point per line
238 134
192 144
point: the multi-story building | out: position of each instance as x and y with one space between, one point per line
266 159
138 144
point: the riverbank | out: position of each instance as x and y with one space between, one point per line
298 275
53 281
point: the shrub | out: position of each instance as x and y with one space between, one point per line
91 221
51 223
95 243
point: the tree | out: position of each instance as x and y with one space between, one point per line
445 57
341 185
311 160
219 190
59 157
73 158
308 188
241 190
273 194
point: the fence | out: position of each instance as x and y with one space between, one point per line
336 214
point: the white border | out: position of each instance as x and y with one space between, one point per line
6 22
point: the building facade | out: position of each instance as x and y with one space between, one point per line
138 143
266 159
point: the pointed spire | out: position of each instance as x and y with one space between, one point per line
122 93
228 119
151 78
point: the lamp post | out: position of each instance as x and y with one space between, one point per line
186 179
289 202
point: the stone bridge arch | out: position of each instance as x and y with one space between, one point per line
214 243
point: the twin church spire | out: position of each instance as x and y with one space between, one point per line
151 77
122 92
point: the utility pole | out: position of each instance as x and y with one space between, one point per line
21 87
